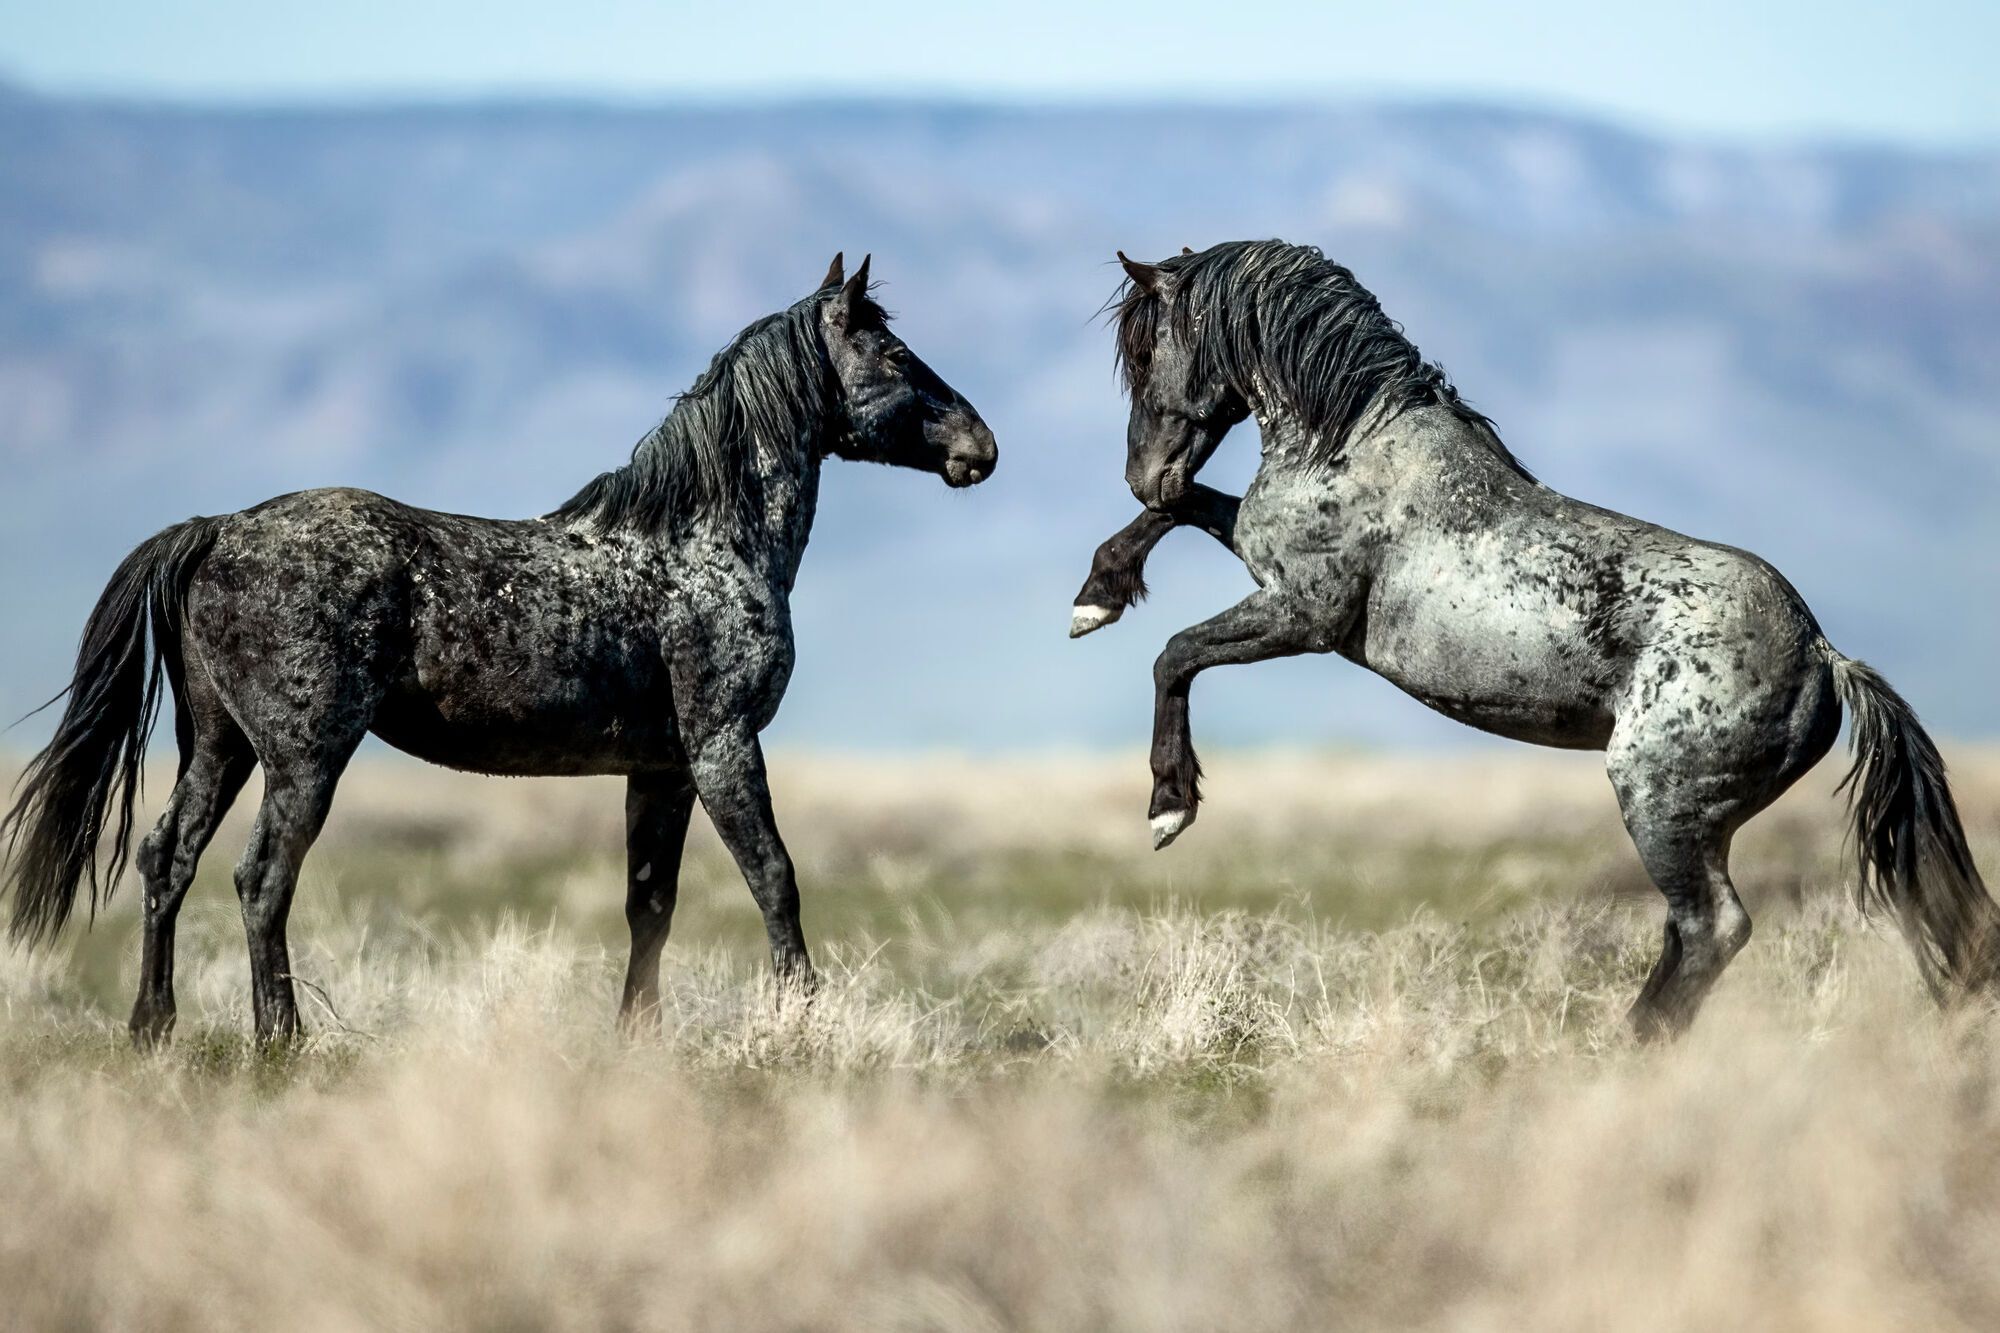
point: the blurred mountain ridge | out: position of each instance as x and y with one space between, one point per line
1795 349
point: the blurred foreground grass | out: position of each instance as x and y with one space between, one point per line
1350 1054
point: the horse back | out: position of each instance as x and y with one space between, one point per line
1518 610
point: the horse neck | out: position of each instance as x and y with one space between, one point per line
1285 439
1292 446
1289 442
788 481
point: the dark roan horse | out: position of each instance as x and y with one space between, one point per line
641 629
1387 523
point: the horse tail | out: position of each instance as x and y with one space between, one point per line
1909 844
94 761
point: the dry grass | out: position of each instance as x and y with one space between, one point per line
1351 1056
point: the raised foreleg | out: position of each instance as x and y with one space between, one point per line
1268 623
1118 569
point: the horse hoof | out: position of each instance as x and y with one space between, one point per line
1084 619
1168 826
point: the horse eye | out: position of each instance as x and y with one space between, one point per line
897 356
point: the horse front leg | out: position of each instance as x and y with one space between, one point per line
1264 625
1118 568
729 776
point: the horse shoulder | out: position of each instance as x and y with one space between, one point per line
727 638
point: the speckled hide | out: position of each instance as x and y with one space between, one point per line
1388 524
642 629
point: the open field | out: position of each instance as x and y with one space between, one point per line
1349 1055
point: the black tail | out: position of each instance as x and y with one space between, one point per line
1913 857
94 759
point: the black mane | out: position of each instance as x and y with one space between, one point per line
772 384
1299 324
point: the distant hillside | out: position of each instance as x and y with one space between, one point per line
477 308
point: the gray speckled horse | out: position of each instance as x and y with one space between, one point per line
1388 524
642 629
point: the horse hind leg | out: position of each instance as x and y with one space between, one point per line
219 763
298 793
304 746
1685 791
657 810
1686 854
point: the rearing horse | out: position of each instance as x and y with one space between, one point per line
1388 524
643 629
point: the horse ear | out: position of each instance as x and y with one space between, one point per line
835 273
855 292
1146 277
1185 249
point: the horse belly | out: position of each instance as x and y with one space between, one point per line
1524 673
534 696
551 742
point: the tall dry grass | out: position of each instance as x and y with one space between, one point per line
1355 1059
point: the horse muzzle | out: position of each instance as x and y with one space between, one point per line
971 455
1164 489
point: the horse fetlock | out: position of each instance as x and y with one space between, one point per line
798 982
152 1024
1172 808
639 1015
1652 1021
276 1015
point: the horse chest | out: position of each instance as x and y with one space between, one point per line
1309 540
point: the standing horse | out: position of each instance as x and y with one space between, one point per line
1388 524
642 629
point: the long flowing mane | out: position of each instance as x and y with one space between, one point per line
1292 320
772 387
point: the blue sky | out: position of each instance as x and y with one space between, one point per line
1916 72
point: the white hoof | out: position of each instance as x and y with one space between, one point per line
1167 827
1084 619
